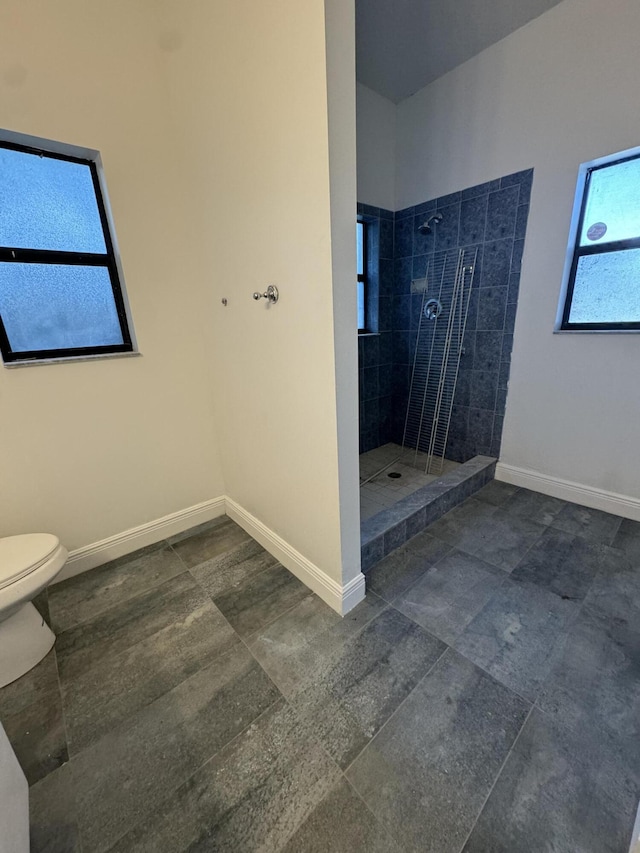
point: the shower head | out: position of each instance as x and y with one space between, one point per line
426 228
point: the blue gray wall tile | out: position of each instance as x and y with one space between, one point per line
493 218
502 211
473 220
481 189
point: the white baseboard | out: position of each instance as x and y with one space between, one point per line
98 553
341 598
624 505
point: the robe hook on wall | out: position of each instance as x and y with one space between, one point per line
271 294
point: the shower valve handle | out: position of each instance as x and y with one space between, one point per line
271 294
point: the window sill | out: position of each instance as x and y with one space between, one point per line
34 361
596 331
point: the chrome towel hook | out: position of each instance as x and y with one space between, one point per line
271 294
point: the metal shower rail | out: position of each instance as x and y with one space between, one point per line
436 361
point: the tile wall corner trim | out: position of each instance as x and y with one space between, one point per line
340 597
579 493
98 553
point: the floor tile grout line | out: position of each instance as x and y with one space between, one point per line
531 701
580 534
406 698
459 547
413 583
62 710
573 730
68 761
376 819
69 756
136 824
452 548
101 612
249 577
517 693
200 669
207 527
173 551
127 649
453 648
495 781
244 640
563 639
214 661
313 594
230 550
568 628
393 604
526 553
290 700
279 698
283 613
292 704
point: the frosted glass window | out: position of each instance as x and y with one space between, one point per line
607 288
60 289
612 209
361 269
46 203
40 309
360 248
603 277
361 305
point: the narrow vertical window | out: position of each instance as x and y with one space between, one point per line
361 255
61 294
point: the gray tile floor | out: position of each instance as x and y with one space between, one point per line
383 491
484 698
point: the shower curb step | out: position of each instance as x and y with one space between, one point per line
390 529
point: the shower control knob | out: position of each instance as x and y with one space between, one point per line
271 294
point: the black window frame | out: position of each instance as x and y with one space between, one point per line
578 251
108 260
363 277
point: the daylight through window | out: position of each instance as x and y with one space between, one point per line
60 290
603 278
361 259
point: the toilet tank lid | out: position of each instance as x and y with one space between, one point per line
20 554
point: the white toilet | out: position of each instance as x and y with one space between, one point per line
28 563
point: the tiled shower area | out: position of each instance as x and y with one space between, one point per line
489 221
388 474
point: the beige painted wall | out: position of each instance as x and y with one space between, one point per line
213 124
560 91
341 96
88 450
249 89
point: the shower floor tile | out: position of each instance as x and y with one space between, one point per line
383 491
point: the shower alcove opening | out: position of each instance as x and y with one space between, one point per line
433 380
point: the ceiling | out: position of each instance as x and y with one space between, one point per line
402 45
